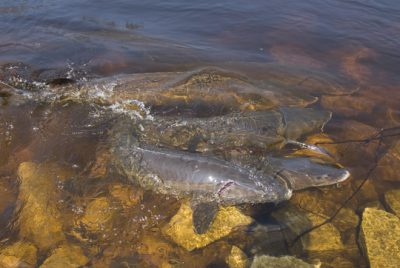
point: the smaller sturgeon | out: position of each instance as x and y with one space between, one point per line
264 130
210 181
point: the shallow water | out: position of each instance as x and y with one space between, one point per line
345 53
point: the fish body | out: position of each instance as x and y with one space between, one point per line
264 130
204 179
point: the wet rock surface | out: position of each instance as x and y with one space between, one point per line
379 238
237 258
40 219
69 256
18 255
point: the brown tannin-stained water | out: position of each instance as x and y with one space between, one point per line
77 76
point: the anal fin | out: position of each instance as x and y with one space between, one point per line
203 215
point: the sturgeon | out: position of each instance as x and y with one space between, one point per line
210 181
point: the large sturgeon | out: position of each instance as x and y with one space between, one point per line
210 181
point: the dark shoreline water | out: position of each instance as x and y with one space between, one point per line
342 53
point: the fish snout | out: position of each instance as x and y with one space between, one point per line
301 173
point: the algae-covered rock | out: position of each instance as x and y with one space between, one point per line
387 165
237 258
180 229
66 256
19 255
380 238
392 200
265 261
98 214
40 219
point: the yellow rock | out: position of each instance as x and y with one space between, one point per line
20 254
265 261
126 194
392 200
380 238
40 220
180 229
237 258
66 256
324 238
98 214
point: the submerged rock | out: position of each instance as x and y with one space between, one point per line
353 64
339 262
40 220
180 229
352 152
160 251
325 238
349 106
19 255
66 256
387 165
237 258
321 204
265 261
98 215
380 238
126 194
392 201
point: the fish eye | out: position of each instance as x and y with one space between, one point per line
322 177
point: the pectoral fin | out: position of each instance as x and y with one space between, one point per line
203 215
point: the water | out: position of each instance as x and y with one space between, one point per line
343 52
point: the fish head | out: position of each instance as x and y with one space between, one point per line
302 172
